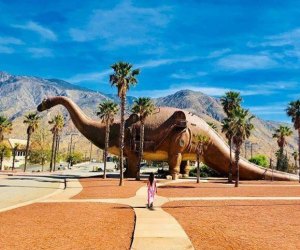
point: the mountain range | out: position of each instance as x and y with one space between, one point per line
21 94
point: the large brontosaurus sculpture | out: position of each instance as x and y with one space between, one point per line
168 137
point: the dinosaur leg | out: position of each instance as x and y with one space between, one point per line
174 164
185 168
131 170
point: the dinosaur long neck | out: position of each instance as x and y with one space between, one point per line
92 130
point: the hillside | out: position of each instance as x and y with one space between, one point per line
21 94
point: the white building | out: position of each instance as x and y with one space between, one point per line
20 153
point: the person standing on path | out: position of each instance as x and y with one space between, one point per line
152 190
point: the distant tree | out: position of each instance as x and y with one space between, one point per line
58 123
230 102
260 160
143 107
241 127
41 146
201 142
4 153
5 127
281 134
123 77
75 157
32 120
107 111
293 110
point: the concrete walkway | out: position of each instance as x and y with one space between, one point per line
154 228
19 191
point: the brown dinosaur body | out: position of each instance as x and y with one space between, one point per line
168 137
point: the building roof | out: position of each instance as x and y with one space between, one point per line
12 142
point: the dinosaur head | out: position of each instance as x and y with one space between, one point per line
44 105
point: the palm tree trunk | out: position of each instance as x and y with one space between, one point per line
52 152
237 157
55 152
107 130
122 132
43 162
299 151
198 168
27 149
141 151
230 163
14 158
1 160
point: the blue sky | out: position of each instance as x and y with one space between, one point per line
210 46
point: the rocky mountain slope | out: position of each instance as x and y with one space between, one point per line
21 94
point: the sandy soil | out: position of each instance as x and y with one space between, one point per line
67 226
239 224
109 188
192 189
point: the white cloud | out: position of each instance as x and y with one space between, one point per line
218 53
6 50
92 76
240 62
10 40
102 75
123 25
40 52
268 109
42 31
188 75
160 62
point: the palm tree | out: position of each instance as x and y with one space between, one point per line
58 123
107 111
4 152
241 127
293 110
280 134
15 148
201 142
213 126
123 77
230 101
32 120
143 107
5 127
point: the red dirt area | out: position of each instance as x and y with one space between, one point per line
217 189
67 226
109 188
239 224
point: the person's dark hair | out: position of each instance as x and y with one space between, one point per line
151 178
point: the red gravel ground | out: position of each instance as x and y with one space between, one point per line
67 226
217 189
109 188
239 224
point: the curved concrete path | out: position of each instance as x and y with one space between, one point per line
16 191
154 229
